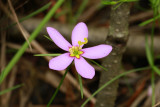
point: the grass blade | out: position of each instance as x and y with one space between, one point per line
55 93
148 52
10 89
47 54
48 38
81 85
156 69
98 64
150 57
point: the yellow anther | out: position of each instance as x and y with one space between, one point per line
77 56
80 52
75 51
72 54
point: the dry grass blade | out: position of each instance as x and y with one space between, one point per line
157 104
3 49
17 47
17 21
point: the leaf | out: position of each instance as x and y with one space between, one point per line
48 38
148 52
98 64
10 89
47 54
81 86
156 69
55 93
149 20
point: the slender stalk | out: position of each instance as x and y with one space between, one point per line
153 88
152 52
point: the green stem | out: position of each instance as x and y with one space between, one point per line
55 93
153 88
152 52
32 37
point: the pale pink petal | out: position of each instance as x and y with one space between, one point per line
97 52
84 68
58 39
79 32
60 62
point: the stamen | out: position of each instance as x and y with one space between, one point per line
75 51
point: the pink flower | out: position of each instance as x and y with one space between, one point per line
75 51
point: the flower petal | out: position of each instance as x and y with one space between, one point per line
60 62
58 39
97 52
84 68
79 32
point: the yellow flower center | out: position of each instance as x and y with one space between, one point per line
75 51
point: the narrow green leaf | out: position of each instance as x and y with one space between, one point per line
108 2
117 5
98 64
47 54
149 20
55 93
156 69
148 52
112 80
10 89
48 38
81 85
129 0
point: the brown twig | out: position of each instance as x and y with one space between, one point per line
3 50
156 104
16 46
25 35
